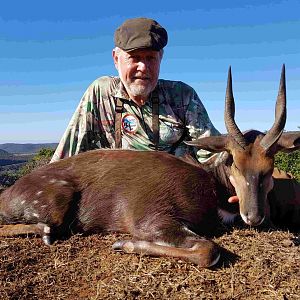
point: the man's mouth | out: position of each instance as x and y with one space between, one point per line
141 78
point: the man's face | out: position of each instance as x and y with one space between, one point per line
138 70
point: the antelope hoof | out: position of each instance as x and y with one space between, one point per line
205 254
214 260
47 240
126 246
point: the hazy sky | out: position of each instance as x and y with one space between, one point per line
50 51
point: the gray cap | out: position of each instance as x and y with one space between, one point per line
140 33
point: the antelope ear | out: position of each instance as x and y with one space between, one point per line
210 143
289 141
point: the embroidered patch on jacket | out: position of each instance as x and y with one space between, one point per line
130 123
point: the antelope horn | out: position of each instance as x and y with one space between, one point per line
275 132
230 124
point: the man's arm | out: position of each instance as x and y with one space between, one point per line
81 134
71 141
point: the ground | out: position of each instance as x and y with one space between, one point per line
258 264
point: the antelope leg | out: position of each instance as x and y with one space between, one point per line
23 229
203 252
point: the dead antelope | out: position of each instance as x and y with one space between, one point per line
164 202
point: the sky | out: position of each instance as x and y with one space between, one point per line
50 51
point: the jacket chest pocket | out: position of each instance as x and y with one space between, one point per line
169 132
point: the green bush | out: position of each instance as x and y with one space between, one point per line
289 162
42 158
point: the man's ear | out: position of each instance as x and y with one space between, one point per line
211 143
289 141
115 58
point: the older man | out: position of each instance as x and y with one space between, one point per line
136 110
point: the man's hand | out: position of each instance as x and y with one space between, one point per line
233 199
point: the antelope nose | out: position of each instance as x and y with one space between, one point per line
252 219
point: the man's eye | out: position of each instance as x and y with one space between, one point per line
133 58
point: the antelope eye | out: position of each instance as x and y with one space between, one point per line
260 180
262 177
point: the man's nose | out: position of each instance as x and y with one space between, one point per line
142 66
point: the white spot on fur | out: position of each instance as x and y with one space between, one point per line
35 202
22 202
43 177
39 193
35 215
46 229
62 182
43 206
248 183
226 217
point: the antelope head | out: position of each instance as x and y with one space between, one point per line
251 154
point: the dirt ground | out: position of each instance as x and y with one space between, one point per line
256 265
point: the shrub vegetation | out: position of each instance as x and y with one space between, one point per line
289 162
42 158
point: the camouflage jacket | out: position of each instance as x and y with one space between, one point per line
92 125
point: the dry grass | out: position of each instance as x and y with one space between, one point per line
258 265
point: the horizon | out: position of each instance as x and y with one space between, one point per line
27 143
52 52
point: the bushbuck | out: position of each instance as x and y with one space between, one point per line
166 203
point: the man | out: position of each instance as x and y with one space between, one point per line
137 110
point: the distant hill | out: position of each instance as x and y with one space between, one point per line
25 148
5 154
